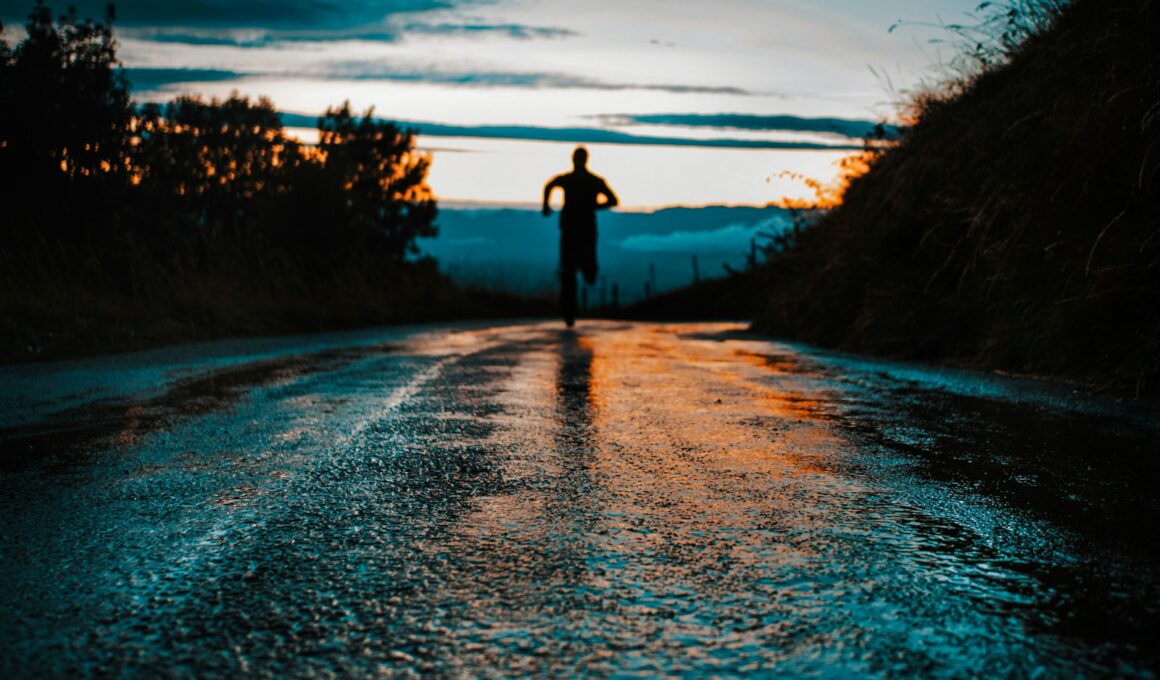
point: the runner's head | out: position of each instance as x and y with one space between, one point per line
579 158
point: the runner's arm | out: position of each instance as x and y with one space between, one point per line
552 184
610 199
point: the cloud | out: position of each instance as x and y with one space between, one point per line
732 238
147 79
253 37
377 70
582 136
389 32
260 23
852 129
516 31
153 79
231 38
300 14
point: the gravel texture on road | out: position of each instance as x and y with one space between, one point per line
624 499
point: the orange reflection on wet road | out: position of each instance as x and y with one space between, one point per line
626 499
655 487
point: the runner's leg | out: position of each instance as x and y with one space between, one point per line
568 294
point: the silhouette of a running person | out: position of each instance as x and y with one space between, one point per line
582 192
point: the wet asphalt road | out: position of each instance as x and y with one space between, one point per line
626 499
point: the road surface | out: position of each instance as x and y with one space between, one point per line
626 499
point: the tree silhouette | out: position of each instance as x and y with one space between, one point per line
219 163
383 177
148 203
66 107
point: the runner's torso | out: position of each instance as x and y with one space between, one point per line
580 192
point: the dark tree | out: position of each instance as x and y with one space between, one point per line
218 163
65 108
197 210
383 177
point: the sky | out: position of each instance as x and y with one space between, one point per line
680 102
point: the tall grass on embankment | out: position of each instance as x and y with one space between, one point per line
1015 226
58 303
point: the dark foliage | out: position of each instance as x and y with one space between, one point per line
1017 224
197 217
729 298
64 122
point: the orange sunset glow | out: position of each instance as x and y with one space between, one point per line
694 117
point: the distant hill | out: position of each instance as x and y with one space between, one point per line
517 250
1017 224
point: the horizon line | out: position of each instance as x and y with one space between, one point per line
532 206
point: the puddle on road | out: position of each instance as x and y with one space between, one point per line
65 438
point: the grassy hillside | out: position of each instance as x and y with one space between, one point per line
1017 224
